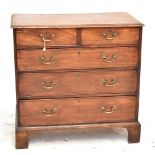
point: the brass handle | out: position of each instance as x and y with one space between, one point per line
49 112
48 85
47 61
46 38
113 82
110 35
108 110
109 60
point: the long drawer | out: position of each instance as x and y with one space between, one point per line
74 111
61 84
77 58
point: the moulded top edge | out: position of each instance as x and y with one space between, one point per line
116 19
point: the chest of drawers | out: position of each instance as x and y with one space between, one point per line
76 71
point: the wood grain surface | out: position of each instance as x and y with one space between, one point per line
115 19
31 37
74 111
94 36
76 83
77 58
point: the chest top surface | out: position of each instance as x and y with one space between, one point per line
116 19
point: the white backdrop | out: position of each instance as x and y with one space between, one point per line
143 10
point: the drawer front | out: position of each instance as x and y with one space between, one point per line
74 111
76 83
52 37
78 58
108 36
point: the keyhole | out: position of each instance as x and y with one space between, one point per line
79 75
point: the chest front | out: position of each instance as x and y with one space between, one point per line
77 74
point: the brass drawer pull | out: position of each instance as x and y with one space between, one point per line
46 38
108 110
109 60
49 112
113 82
46 60
48 85
110 35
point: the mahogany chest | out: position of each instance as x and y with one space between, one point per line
76 71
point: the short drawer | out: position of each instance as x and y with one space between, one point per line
47 37
76 83
75 111
109 36
77 58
